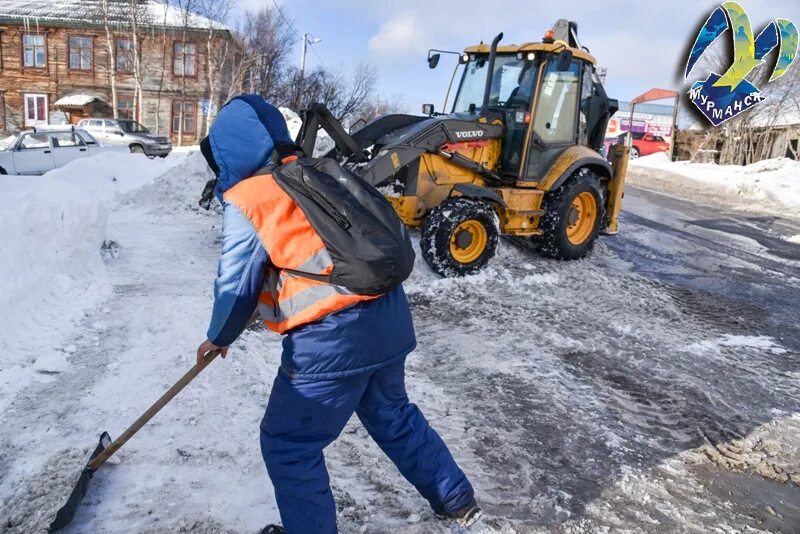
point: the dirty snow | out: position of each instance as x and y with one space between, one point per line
652 387
774 182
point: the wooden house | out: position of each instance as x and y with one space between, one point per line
56 61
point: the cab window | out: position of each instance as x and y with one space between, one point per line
34 141
66 139
587 91
557 108
508 74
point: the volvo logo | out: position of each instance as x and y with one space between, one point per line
469 134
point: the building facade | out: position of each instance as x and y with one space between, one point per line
56 66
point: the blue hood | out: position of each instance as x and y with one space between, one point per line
242 138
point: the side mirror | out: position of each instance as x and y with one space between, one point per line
433 60
564 61
427 109
121 133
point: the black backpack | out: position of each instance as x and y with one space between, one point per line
368 243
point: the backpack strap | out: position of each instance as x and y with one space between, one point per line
270 169
326 278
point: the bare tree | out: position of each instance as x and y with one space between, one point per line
268 42
186 9
164 41
217 53
112 64
139 16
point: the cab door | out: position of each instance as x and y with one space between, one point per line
554 127
33 154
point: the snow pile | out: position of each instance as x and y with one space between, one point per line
51 255
180 185
775 180
52 271
294 123
108 175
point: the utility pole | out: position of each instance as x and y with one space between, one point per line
303 51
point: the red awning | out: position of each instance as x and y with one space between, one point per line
654 94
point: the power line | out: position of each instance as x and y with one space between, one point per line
313 49
285 19
291 27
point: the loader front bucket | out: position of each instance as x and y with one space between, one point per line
67 512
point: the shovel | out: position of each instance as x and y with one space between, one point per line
106 448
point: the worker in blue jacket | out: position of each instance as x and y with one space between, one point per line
341 354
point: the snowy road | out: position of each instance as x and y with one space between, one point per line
653 387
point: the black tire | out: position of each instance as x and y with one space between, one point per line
634 153
558 207
137 149
440 228
3 171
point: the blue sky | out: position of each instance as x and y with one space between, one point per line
643 43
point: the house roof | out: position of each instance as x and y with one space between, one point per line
34 13
771 116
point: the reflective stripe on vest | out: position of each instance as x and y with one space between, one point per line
288 301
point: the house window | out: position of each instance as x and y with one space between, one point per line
184 59
124 55
125 107
188 110
34 53
35 109
80 52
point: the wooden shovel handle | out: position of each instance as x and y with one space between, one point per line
95 464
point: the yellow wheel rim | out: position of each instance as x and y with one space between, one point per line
468 241
581 218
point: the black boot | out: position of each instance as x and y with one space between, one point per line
466 516
273 529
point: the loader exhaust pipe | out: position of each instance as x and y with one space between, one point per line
490 74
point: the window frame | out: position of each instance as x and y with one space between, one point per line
576 106
19 146
77 140
183 53
173 116
3 116
127 98
116 55
80 57
22 51
25 108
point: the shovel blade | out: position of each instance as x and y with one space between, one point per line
67 512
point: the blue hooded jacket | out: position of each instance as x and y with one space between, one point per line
359 338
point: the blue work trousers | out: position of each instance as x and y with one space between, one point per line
305 416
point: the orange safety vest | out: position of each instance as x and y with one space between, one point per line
288 300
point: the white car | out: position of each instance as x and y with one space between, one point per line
38 151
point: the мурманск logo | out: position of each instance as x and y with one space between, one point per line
720 98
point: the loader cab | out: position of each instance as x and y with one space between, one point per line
546 95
